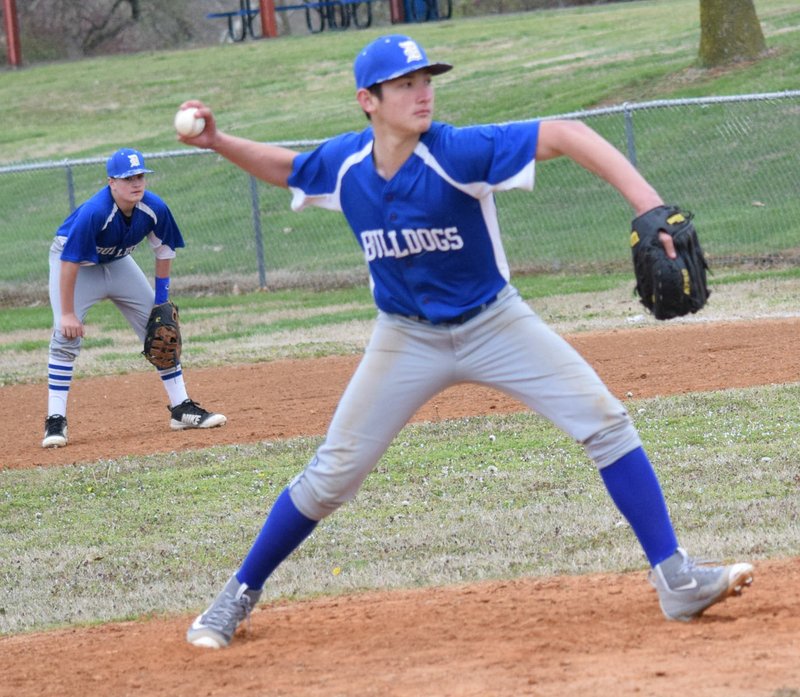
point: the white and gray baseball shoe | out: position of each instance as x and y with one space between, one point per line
189 414
686 588
214 629
55 431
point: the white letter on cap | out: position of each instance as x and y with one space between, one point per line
411 50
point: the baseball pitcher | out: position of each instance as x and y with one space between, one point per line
419 196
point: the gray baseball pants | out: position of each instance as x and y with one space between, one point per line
121 281
407 362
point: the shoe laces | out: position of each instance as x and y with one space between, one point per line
189 406
698 565
690 565
197 409
230 613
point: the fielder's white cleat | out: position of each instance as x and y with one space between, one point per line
189 414
55 431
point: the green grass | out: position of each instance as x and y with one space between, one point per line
264 326
301 87
469 499
106 317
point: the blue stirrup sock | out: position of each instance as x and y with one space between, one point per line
634 488
283 531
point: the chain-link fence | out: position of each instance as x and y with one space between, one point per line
734 161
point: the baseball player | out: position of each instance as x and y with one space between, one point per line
90 260
419 197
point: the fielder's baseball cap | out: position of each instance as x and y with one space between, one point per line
126 163
392 56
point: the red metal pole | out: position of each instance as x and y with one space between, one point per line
12 33
397 11
269 27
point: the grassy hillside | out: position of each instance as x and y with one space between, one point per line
507 67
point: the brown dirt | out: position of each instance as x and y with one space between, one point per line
591 635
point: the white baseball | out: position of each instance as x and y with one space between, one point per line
187 123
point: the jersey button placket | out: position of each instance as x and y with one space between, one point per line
389 214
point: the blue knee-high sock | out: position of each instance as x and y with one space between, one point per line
634 488
283 531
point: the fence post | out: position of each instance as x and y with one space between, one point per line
259 240
269 27
70 188
631 142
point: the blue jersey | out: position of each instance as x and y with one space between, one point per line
430 235
97 232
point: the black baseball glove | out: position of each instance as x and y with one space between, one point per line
668 287
162 340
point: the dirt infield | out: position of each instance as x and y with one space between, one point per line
587 635
118 416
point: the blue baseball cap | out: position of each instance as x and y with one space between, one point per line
392 56
126 162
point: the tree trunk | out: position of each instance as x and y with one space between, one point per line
729 32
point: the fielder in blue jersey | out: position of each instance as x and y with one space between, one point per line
90 261
420 198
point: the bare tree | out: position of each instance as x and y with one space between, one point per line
107 23
729 32
66 28
78 28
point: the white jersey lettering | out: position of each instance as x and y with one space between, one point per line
397 252
453 238
115 251
381 244
384 250
412 242
369 244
